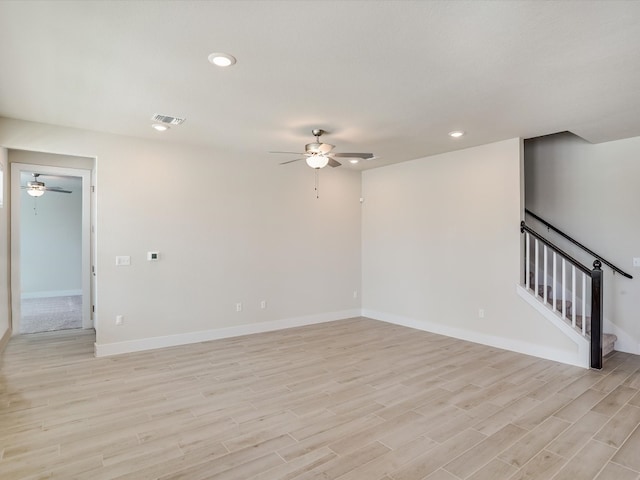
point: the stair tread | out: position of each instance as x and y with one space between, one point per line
608 339
608 343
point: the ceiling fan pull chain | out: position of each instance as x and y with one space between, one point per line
35 206
317 187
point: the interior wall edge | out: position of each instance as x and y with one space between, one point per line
5 339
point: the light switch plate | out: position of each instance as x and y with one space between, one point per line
123 260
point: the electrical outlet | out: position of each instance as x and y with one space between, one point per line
238 307
119 319
636 261
263 304
481 312
355 294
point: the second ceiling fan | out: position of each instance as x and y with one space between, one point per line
319 155
36 188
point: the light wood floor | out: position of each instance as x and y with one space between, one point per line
356 399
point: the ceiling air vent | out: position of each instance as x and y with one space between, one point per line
167 119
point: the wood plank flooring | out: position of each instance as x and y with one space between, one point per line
350 400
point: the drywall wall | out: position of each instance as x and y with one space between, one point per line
589 191
5 310
230 229
441 242
51 241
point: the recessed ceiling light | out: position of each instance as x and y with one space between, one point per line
222 59
456 133
354 161
159 127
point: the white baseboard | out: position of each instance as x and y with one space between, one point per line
52 293
625 342
106 349
518 346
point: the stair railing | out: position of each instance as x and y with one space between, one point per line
575 242
538 262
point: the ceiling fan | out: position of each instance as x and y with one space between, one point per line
318 155
36 188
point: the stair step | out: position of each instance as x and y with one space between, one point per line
608 342
579 323
550 299
608 339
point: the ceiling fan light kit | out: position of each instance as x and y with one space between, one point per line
317 161
35 189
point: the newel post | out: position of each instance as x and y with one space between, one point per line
596 315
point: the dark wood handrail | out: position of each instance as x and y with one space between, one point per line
575 242
580 266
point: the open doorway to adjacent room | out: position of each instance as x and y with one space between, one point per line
50 248
50 252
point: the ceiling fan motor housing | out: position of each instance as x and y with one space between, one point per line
317 148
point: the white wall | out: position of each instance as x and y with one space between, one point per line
435 240
441 240
5 311
591 193
229 228
51 242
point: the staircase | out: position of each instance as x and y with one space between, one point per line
608 339
569 293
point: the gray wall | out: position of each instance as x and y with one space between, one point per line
441 241
51 242
435 240
230 228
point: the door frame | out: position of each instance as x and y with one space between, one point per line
16 207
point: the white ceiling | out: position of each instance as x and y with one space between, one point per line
388 77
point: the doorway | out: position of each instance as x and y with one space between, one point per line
50 253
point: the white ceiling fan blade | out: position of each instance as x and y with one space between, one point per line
325 148
334 163
318 148
291 161
364 156
56 189
293 153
